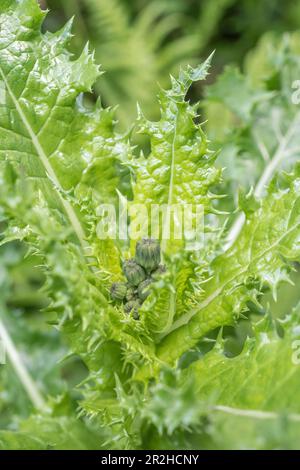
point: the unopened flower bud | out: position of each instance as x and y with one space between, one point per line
133 272
131 293
118 291
148 253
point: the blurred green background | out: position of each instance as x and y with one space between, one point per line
138 44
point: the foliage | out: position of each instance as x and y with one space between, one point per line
150 381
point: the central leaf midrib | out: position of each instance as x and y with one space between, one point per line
172 303
171 180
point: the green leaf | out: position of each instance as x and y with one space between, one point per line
59 142
149 381
254 391
50 433
259 258
179 169
262 377
56 152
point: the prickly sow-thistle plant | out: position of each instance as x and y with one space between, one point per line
60 159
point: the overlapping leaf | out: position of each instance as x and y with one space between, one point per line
259 258
60 159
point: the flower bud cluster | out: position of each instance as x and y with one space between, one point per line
140 272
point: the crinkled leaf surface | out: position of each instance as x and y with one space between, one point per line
61 158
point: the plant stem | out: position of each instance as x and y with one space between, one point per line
20 369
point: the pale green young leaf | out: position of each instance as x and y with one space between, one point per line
180 168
